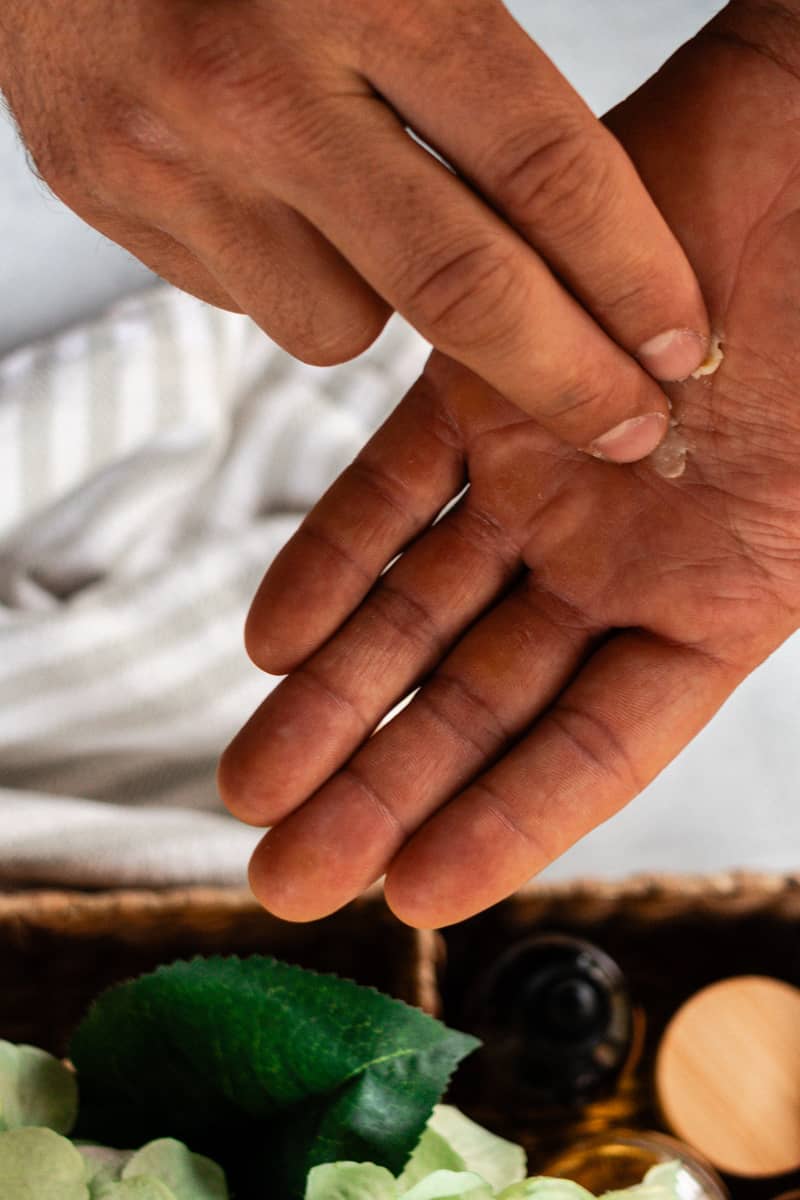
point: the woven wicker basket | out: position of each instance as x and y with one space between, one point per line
58 950
670 935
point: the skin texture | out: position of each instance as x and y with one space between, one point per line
256 155
573 624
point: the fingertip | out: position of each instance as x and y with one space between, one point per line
673 355
414 915
285 893
267 642
310 588
234 788
289 617
410 894
632 439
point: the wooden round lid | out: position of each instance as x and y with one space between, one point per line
728 1075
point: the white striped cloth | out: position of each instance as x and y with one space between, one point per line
151 465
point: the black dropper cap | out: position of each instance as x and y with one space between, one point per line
554 1014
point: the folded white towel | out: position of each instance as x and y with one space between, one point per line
151 465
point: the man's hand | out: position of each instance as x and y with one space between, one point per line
571 624
257 155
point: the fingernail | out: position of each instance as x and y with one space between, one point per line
673 355
631 440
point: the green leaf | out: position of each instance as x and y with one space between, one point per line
38 1164
449 1185
188 1176
35 1089
269 1068
350 1181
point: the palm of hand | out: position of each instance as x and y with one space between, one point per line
604 613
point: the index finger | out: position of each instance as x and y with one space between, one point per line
491 101
462 273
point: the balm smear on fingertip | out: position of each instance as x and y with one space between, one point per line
669 458
712 360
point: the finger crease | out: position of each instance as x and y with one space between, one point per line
388 488
498 808
560 717
378 803
323 539
497 733
431 637
307 676
504 548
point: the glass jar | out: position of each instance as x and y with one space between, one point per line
621 1158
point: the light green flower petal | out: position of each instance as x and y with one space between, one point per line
145 1187
188 1176
447 1185
433 1153
38 1164
103 1165
665 1174
660 1183
350 1181
35 1089
545 1187
8 1079
496 1160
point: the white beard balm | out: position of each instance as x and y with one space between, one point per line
669 459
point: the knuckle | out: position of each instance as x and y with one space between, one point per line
577 403
209 54
636 293
382 25
138 159
471 296
226 73
555 176
139 131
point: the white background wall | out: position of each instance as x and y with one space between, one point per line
733 797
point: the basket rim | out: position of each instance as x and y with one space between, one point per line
41 902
